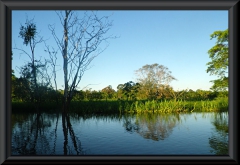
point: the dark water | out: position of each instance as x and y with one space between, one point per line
141 134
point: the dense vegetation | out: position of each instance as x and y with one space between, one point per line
130 99
35 90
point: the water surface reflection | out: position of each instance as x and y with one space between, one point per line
219 139
129 134
152 126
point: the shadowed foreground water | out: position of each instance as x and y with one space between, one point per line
129 134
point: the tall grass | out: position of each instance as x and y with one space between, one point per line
140 106
175 106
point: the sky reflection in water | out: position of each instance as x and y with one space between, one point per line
141 134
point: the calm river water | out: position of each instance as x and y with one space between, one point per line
129 134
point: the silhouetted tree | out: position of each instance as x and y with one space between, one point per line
79 46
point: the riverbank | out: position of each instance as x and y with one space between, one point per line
120 106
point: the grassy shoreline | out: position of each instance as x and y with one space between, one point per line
120 106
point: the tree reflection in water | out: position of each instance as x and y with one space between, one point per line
30 138
53 134
219 139
67 128
152 126
34 136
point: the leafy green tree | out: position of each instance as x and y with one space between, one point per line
108 92
120 92
22 90
29 73
96 95
190 95
129 90
175 95
87 94
219 64
152 78
78 95
34 79
28 34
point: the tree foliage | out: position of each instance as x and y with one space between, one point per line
153 79
34 81
28 32
128 90
108 92
219 60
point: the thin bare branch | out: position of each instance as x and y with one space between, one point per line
79 45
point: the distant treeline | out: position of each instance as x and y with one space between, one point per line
130 91
129 97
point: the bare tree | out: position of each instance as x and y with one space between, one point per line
79 46
53 62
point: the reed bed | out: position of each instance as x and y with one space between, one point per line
140 106
175 106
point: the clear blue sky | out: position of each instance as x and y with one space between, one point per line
178 40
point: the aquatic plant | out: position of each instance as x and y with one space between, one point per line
139 106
